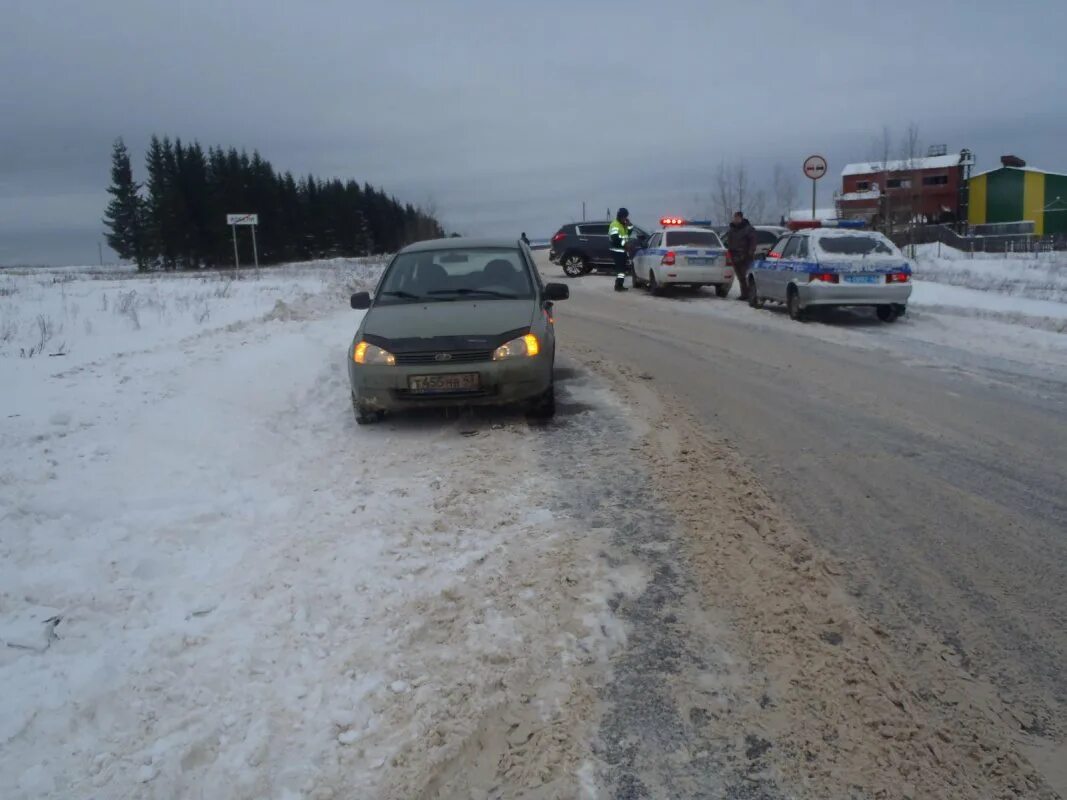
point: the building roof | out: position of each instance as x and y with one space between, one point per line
902 165
1020 169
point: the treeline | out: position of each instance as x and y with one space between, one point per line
176 219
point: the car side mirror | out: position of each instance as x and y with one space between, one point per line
557 291
361 301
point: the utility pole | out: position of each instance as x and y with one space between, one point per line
100 252
583 211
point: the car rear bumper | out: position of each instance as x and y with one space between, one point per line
818 293
689 275
383 388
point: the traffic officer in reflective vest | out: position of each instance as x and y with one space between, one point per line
619 237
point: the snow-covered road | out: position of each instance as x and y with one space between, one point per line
213 585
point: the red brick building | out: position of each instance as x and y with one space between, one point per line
922 189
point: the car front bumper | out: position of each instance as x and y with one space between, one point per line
384 388
818 293
692 275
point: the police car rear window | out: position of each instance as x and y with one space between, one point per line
766 237
692 239
853 245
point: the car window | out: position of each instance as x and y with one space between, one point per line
692 239
485 273
655 240
802 247
766 237
858 244
594 229
780 245
792 247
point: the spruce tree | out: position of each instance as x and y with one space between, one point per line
124 215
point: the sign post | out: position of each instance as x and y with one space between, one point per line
233 220
814 168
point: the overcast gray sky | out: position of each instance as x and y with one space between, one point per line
507 115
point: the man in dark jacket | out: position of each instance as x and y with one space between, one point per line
741 242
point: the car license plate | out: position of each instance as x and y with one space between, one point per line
698 262
449 382
862 278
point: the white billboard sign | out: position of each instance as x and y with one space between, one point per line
242 219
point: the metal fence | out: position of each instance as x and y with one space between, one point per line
1008 244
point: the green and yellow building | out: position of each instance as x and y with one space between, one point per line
1016 194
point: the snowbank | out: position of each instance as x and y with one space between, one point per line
1041 276
212 584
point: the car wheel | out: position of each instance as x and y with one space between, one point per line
544 406
653 284
793 305
887 313
753 294
722 289
574 265
364 416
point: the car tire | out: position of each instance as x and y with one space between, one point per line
792 303
364 416
754 300
722 289
544 406
887 313
653 284
574 265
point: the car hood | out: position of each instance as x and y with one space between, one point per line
454 319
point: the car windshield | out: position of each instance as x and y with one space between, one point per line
692 238
766 237
484 273
855 245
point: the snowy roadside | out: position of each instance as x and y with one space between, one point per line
213 584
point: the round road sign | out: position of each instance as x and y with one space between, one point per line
815 167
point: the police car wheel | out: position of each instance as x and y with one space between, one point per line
722 289
793 306
653 284
887 313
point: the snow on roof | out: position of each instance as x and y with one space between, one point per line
873 194
902 165
1020 169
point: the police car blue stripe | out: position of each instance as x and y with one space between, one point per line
836 268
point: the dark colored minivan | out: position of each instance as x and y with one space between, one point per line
582 247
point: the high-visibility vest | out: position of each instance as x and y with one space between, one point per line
619 229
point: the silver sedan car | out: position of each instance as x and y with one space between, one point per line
833 267
456 322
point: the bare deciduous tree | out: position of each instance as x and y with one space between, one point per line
733 192
785 192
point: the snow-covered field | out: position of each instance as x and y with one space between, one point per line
1036 276
212 584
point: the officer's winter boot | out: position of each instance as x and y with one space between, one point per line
620 282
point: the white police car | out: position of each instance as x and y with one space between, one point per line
683 254
833 267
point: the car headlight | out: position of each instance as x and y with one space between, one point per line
517 348
367 353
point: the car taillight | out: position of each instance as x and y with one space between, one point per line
729 259
825 277
897 277
668 259
559 236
